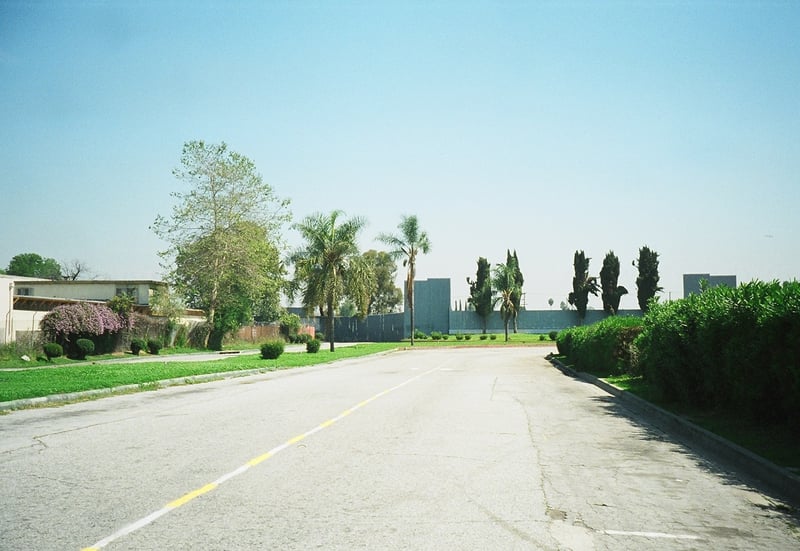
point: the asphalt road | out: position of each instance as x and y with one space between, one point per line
424 449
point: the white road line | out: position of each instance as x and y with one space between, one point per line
171 506
655 535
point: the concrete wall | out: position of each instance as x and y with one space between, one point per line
431 306
691 282
528 321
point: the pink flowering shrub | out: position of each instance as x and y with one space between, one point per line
81 319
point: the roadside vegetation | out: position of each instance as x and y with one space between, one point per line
32 383
726 359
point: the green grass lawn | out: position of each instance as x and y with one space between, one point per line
89 375
775 443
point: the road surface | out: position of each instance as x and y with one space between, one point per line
474 448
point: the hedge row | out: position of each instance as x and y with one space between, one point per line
602 348
737 349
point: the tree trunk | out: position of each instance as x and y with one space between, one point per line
329 323
410 293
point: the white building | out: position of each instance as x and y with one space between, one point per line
24 301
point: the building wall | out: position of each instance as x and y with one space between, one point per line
431 306
691 282
88 290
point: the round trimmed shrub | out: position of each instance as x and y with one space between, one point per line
137 345
53 350
312 346
154 346
553 335
493 337
483 337
467 336
83 348
271 350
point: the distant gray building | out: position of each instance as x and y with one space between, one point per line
691 282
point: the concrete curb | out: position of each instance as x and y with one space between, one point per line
778 479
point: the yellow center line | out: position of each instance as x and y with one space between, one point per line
190 496
141 523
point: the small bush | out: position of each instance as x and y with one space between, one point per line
83 348
271 350
302 338
137 345
459 337
467 336
320 336
53 350
445 336
553 335
420 335
542 337
312 346
154 346
436 335
493 337
483 337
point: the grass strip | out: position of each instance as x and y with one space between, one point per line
16 385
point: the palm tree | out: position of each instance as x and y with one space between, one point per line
330 267
410 242
505 283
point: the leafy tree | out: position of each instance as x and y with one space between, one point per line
330 267
513 262
609 276
224 236
505 283
385 297
34 265
647 281
582 284
480 291
408 244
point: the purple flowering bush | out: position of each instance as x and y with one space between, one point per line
66 323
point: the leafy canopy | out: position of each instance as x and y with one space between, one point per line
329 268
224 236
407 245
582 284
34 265
480 291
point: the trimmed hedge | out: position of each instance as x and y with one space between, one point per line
737 349
602 348
271 350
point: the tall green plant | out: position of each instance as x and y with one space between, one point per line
513 262
480 291
582 284
609 276
407 245
329 267
224 236
505 284
647 281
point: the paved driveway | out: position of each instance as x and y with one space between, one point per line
423 449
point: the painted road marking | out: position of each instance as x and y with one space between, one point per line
656 535
172 505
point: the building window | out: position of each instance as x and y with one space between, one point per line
24 291
132 292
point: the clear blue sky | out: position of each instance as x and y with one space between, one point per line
540 127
